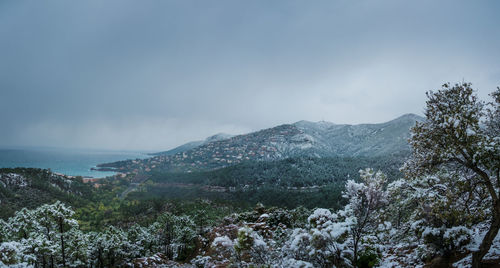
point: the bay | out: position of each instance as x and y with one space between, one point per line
73 162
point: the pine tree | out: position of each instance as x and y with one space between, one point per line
461 133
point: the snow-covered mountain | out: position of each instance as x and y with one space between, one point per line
328 139
303 138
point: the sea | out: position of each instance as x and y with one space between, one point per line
73 162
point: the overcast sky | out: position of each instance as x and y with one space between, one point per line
150 75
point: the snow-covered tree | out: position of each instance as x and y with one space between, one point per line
441 212
366 199
54 221
176 235
77 248
109 248
22 224
23 229
141 240
460 134
336 239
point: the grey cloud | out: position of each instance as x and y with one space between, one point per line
130 75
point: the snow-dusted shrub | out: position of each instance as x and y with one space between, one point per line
250 242
439 211
245 239
223 247
434 215
368 257
457 237
321 218
11 253
222 241
299 217
324 243
296 263
278 217
336 238
280 235
201 261
299 245
445 240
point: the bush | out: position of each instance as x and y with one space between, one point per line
367 258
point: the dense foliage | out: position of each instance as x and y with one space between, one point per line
290 172
309 182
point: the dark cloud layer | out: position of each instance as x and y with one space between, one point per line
153 74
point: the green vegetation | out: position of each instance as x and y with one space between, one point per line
293 182
42 186
95 208
290 172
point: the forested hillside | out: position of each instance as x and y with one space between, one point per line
310 182
29 188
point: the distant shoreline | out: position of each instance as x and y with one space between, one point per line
71 163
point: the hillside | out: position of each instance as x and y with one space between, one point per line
292 182
193 144
287 173
31 187
301 139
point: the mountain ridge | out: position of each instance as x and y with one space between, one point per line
300 139
193 144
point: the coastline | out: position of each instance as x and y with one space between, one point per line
70 163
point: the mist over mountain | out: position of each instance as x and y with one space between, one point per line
193 144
